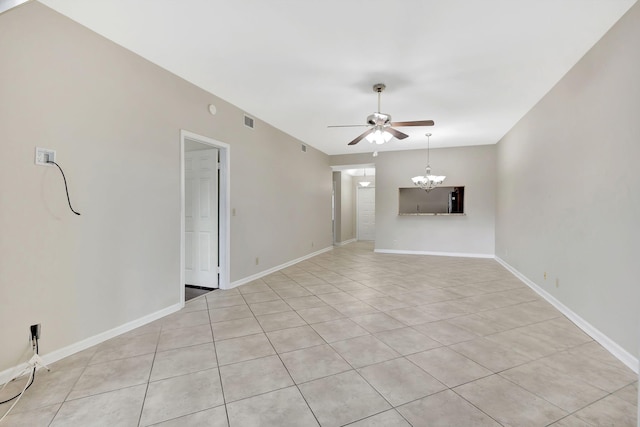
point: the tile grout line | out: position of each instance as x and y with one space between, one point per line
289 373
472 404
144 399
74 384
331 268
215 351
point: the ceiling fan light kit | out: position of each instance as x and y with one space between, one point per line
379 136
381 128
428 182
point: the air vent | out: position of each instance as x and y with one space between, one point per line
304 148
248 121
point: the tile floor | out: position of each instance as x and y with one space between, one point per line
349 337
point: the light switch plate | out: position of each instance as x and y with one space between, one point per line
42 154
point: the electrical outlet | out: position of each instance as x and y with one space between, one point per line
311 244
34 331
257 260
545 275
43 155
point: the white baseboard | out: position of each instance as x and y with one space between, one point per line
346 242
456 254
623 355
276 268
56 355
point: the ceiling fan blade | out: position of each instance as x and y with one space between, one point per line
414 123
397 133
346 126
361 137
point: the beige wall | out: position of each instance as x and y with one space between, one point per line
347 212
471 167
569 189
337 201
114 120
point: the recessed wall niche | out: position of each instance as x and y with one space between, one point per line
439 201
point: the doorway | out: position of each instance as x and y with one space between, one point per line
204 233
353 203
201 218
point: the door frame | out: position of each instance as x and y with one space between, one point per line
224 208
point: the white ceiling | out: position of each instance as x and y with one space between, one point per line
474 67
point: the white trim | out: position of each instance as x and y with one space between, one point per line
91 341
346 242
340 168
614 348
279 267
456 254
224 221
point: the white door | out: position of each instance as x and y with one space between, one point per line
201 218
366 205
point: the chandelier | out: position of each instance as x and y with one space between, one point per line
428 182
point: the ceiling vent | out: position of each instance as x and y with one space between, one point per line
248 121
304 148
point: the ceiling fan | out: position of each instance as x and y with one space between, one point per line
380 124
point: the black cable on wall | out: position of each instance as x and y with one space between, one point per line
65 186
